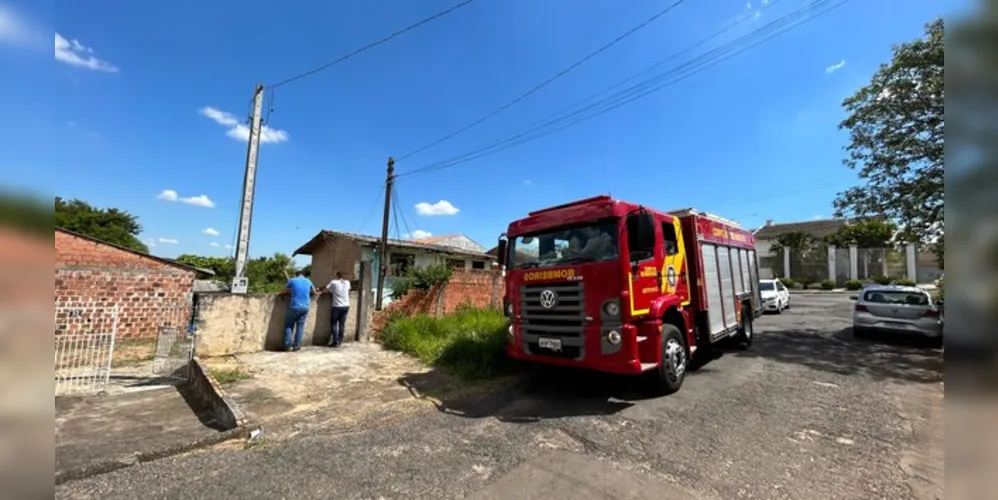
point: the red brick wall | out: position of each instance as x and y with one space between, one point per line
148 293
476 288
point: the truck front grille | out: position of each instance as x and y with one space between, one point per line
566 319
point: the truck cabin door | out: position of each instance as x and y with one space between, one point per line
644 281
674 269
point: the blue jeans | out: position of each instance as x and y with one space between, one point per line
294 322
338 324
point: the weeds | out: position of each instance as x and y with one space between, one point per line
225 376
470 342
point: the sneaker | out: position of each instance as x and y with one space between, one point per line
297 348
288 348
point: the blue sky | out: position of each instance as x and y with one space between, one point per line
137 110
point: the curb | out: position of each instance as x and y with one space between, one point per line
209 393
139 458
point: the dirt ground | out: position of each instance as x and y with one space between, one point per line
342 388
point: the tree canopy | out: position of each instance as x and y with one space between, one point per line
106 224
895 126
865 233
266 274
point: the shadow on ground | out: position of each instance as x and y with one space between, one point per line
880 357
534 393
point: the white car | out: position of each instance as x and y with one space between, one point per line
775 296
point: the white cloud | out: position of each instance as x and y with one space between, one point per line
214 244
74 53
528 181
150 243
418 235
12 28
228 247
835 67
167 241
239 130
200 200
442 207
210 231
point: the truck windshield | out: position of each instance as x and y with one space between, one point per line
587 243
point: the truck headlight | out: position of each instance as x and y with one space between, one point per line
613 337
510 329
508 309
611 309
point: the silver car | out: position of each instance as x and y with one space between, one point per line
904 310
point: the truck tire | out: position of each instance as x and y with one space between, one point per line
671 372
746 331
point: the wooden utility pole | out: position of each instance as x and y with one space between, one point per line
383 252
240 283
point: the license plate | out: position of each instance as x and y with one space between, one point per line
553 344
892 324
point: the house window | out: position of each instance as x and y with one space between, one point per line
478 264
455 263
399 264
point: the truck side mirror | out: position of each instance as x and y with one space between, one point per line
501 252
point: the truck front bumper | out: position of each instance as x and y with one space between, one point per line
625 359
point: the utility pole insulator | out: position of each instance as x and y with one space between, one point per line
240 283
383 252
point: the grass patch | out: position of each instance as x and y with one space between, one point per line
225 376
470 342
132 352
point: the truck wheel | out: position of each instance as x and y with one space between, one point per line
746 331
671 372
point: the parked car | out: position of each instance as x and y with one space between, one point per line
900 310
775 296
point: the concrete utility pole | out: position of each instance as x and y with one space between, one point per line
240 283
383 253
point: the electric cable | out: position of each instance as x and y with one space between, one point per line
648 86
547 82
372 44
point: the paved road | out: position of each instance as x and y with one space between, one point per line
808 412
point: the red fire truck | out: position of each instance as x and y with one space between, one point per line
614 286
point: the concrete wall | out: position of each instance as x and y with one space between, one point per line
232 324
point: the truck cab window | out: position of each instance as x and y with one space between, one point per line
671 241
640 237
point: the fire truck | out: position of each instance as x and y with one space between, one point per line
614 286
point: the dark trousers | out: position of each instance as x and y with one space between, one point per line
338 324
294 324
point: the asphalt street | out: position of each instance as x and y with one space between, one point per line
808 412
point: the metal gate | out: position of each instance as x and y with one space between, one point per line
84 348
174 350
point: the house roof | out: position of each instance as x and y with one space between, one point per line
164 260
437 239
209 286
816 228
370 241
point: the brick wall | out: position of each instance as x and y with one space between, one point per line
147 292
470 287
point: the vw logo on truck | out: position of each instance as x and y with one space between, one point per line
548 299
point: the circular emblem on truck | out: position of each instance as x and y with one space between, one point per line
548 299
670 275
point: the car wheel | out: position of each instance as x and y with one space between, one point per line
671 372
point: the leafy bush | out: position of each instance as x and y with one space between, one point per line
426 277
787 282
828 285
882 280
400 287
905 282
805 281
854 285
470 342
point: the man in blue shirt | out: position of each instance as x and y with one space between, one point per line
301 290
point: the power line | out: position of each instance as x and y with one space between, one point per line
398 210
637 91
372 44
691 68
372 210
549 80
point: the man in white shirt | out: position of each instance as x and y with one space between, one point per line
339 291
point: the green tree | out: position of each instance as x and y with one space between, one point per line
266 274
106 224
865 233
895 128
